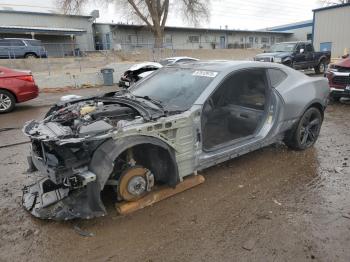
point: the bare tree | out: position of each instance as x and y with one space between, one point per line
153 13
335 2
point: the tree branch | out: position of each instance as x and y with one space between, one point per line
138 12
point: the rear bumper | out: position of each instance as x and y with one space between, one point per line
27 93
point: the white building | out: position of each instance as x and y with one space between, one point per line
115 36
59 33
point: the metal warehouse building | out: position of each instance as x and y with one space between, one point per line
124 36
331 29
60 34
302 31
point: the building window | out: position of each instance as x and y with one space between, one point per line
278 39
256 39
168 39
129 39
193 39
309 36
242 39
251 39
264 39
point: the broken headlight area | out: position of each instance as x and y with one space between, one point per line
47 200
66 181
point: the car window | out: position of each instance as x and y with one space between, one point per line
5 42
15 42
185 60
244 88
33 42
166 61
276 76
309 48
176 88
300 46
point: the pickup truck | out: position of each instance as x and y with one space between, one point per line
299 55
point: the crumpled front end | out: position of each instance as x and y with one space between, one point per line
67 189
46 200
62 147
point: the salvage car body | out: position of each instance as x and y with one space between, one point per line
83 145
139 71
338 76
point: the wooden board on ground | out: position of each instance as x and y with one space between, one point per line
159 194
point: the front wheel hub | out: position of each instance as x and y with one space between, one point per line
134 183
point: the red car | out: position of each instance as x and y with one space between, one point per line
15 87
338 76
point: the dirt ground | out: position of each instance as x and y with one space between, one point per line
270 205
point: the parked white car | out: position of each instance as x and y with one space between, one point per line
139 71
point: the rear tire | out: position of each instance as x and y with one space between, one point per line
30 56
307 130
7 101
321 67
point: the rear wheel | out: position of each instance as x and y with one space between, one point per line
321 67
7 101
305 134
30 56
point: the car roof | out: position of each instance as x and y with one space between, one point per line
213 65
14 38
180 57
295 42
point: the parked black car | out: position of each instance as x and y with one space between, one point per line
299 55
21 48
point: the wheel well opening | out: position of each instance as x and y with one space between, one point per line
30 53
319 107
155 158
14 95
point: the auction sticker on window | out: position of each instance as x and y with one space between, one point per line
205 73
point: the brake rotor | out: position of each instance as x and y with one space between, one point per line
134 183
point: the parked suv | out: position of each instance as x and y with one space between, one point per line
21 48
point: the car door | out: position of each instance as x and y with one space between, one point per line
309 55
238 116
235 110
300 58
18 48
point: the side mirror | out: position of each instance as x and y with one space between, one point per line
301 50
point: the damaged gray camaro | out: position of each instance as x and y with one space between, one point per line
179 120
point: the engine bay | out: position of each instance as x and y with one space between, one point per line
81 119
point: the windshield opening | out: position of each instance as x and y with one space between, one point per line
176 88
283 47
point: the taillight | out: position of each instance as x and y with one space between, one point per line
28 78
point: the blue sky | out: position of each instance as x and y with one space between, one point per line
236 14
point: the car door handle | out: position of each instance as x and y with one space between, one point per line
244 115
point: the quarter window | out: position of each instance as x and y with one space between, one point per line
17 43
5 42
276 76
